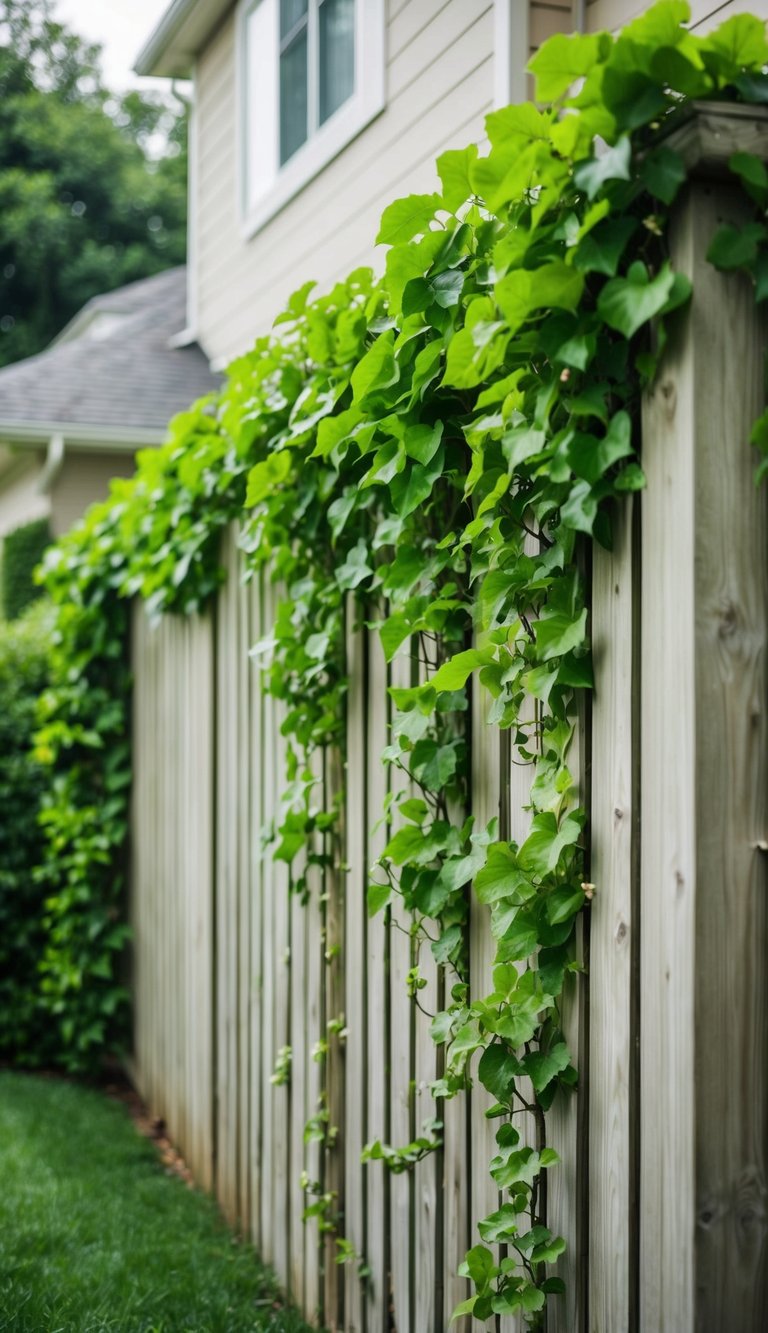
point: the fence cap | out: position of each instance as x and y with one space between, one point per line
707 134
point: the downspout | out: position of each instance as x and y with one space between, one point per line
54 460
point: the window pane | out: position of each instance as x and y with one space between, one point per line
293 97
337 54
290 13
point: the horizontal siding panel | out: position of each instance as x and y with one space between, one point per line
216 151
441 50
215 64
704 14
397 6
410 22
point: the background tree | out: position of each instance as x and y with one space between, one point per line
92 185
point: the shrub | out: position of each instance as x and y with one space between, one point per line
23 674
22 551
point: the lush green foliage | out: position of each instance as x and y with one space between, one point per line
22 552
437 448
23 675
84 743
95 1235
84 204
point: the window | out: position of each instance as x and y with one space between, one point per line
312 76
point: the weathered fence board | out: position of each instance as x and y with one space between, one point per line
612 1155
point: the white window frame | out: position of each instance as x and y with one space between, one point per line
510 51
366 102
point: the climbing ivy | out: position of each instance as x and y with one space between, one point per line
438 448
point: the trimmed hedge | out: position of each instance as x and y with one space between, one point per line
22 551
23 780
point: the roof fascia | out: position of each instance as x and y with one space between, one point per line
171 48
112 439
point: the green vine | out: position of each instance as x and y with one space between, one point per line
438 448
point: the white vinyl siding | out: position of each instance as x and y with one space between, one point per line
20 498
84 478
439 87
705 14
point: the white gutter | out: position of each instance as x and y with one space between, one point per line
121 439
171 47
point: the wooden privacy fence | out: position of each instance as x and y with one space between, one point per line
662 1191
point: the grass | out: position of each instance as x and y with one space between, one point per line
94 1234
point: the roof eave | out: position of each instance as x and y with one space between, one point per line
123 439
171 48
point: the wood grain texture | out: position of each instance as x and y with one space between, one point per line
256 886
401 1066
486 805
378 1235
668 855
269 778
354 968
334 1009
567 1121
612 1185
244 900
728 337
703 910
283 1181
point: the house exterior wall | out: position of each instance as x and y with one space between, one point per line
84 478
439 87
20 500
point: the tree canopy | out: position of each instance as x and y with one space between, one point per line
92 185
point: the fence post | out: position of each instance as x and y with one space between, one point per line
704 607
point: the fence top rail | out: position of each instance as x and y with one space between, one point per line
707 134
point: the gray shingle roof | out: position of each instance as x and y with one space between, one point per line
112 366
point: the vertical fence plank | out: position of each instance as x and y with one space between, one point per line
378 1233
514 824
244 897
354 966
283 1182
428 1174
334 1007
486 800
729 339
314 1008
401 1064
269 963
204 969
566 1121
226 888
256 883
703 947
428 1238
612 928
297 1090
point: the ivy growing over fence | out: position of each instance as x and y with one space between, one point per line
438 444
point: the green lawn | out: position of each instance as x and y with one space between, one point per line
95 1235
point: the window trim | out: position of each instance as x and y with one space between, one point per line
329 139
511 48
